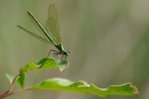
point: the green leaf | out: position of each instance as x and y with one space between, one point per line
9 77
62 63
44 64
59 84
21 80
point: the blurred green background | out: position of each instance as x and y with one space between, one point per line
108 41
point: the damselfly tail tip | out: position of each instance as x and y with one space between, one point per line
19 26
28 12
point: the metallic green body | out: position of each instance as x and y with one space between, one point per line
52 31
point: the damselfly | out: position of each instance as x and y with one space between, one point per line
52 31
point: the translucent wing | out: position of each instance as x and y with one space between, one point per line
52 24
34 35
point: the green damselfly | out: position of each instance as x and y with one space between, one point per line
52 31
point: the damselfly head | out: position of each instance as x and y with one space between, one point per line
67 53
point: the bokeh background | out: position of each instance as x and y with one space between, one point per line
108 41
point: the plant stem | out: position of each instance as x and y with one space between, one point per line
12 84
14 92
10 88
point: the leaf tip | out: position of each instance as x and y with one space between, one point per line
9 77
135 90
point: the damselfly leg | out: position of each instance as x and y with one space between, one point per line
56 53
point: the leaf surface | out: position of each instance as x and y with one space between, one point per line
60 84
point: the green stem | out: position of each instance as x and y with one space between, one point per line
10 88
